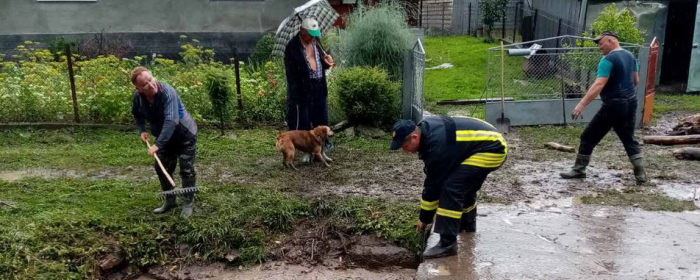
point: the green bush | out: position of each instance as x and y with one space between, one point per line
377 36
219 85
623 23
491 12
368 96
263 49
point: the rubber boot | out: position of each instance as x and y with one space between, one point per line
446 247
579 169
639 174
468 222
167 205
188 199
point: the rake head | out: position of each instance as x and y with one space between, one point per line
177 191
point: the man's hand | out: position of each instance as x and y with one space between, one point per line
152 150
328 59
578 111
419 226
144 137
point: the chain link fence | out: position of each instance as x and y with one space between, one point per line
544 73
413 100
518 23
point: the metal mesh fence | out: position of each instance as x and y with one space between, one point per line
547 73
518 23
413 87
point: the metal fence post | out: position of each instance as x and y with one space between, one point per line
238 82
503 25
469 29
559 34
420 15
534 24
443 17
515 22
72 83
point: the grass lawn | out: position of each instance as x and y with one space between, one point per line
56 227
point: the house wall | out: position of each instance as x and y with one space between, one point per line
218 24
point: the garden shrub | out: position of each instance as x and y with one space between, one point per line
263 49
368 96
377 36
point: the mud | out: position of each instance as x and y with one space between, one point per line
128 173
282 271
572 241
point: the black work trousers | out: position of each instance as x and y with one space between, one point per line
458 198
619 115
184 151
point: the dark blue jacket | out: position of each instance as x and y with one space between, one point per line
169 119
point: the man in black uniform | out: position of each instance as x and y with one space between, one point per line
459 153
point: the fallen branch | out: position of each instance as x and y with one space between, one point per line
687 153
672 140
560 147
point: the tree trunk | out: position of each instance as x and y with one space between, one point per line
687 153
672 140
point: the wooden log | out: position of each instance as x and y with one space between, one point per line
687 153
672 140
559 147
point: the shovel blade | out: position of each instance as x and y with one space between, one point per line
503 125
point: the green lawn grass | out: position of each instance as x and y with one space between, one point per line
57 227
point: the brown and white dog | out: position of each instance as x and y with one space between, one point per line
309 141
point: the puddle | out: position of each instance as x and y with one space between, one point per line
12 176
581 242
682 191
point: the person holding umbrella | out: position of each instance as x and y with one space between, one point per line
305 63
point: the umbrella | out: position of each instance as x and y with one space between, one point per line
319 10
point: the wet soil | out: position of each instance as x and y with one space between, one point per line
565 240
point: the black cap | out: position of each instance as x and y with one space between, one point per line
605 33
401 130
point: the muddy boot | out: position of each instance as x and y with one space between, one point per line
639 174
187 205
579 169
188 199
446 247
468 222
169 204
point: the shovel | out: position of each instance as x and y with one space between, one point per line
503 123
175 190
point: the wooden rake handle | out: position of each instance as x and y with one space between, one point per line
170 179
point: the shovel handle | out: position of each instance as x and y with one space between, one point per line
170 179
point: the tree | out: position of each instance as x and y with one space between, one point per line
623 24
491 11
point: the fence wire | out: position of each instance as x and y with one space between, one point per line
550 73
517 24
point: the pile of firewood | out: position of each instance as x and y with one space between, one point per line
686 126
686 132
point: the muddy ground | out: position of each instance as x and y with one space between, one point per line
530 177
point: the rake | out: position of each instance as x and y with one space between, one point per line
175 190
